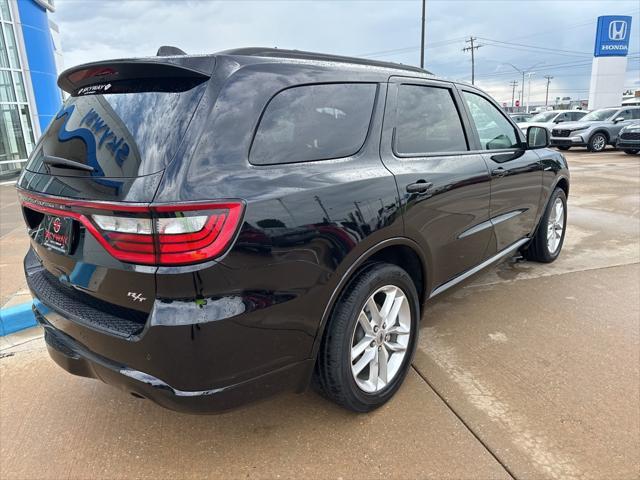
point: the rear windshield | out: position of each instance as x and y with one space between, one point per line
117 134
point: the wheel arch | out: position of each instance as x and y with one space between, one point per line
563 183
400 251
602 131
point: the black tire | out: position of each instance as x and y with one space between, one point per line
564 148
538 248
597 143
333 375
631 152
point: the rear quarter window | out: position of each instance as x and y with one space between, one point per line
314 122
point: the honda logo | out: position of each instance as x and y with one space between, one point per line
617 30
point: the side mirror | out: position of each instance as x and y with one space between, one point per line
618 119
537 137
558 120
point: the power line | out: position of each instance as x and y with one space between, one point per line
556 66
569 27
524 49
472 49
382 53
536 47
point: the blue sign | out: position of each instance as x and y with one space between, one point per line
612 36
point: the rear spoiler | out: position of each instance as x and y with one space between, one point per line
168 74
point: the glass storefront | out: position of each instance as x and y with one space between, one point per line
16 132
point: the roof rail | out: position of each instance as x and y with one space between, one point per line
303 55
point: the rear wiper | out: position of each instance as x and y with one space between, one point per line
66 163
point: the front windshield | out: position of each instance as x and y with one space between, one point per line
543 117
598 115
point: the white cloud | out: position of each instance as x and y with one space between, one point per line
95 30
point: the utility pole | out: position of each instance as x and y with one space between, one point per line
471 49
514 84
422 36
546 97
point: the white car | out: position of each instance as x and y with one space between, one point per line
551 118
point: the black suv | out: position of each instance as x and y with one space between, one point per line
209 230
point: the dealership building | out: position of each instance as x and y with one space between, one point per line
30 57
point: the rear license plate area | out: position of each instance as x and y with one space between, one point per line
58 233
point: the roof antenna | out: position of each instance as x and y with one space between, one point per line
168 50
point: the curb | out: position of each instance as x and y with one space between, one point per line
16 318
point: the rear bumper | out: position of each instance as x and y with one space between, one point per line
78 360
225 358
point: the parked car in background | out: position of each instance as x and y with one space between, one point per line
629 139
520 117
551 118
210 230
595 130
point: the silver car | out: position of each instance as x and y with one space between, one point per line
629 139
595 130
551 118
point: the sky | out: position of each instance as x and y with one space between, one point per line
547 37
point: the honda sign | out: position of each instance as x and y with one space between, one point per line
612 36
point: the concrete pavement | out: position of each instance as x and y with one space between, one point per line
13 246
526 371
545 371
66 427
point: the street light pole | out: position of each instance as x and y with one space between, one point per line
524 72
529 74
422 36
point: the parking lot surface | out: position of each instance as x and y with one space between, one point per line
525 371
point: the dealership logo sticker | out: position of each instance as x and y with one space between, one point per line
94 89
57 223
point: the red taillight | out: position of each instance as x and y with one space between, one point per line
155 234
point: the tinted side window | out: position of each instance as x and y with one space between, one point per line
427 121
578 115
494 129
630 114
314 122
625 114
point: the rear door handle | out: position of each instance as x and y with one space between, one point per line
498 172
420 186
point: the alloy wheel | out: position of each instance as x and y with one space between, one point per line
599 142
555 226
380 339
